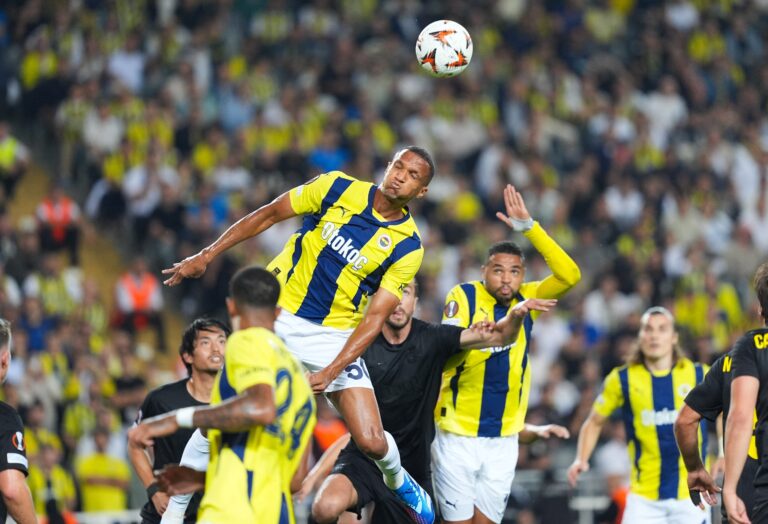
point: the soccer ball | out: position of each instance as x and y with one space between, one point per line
444 48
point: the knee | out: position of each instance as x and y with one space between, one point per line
327 509
372 443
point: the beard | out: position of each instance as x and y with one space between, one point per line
501 299
398 324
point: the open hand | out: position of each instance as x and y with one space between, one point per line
700 483
515 206
190 267
178 480
532 304
551 430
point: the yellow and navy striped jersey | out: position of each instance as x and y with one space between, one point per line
249 472
344 252
649 405
485 392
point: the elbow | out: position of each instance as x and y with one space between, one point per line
686 418
739 421
263 415
573 275
594 422
270 416
682 428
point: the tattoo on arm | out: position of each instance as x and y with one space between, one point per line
255 406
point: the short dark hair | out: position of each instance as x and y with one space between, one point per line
507 247
254 287
187 346
5 335
427 157
761 288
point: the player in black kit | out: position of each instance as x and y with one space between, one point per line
202 351
708 400
405 363
15 497
749 390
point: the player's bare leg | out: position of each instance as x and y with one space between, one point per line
478 518
334 497
360 411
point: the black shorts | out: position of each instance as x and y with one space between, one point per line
369 484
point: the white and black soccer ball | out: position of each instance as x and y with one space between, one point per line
444 48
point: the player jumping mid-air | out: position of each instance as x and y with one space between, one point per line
358 241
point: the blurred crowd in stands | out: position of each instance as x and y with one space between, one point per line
634 130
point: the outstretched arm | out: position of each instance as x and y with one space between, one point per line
531 433
254 406
565 272
506 330
381 306
250 225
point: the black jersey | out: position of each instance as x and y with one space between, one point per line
406 378
168 450
750 358
710 398
13 454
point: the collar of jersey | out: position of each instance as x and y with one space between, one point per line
372 212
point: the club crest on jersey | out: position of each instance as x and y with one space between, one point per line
18 440
343 246
451 308
385 241
683 390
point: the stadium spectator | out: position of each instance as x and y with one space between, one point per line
143 188
14 161
139 300
59 288
103 478
36 433
58 219
52 487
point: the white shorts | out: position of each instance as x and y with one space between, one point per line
640 510
473 472
317 346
